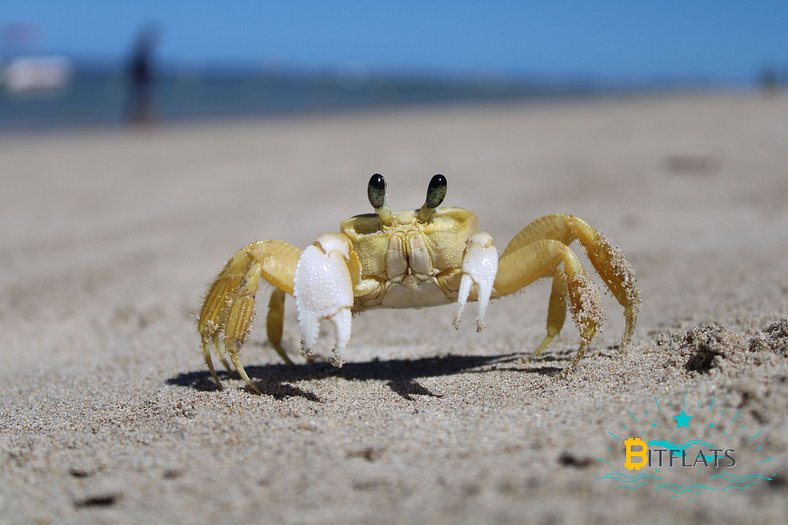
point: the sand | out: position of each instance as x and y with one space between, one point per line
110 238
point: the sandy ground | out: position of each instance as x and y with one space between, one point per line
109 240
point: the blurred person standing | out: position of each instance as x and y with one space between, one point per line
141 77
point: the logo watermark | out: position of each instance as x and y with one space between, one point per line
687 450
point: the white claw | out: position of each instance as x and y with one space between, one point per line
462 298
479 267
324 290
342 323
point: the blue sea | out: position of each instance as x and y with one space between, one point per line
101 97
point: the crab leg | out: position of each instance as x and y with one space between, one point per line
528 263
213 311
556 312
275 322
614 269
239 320
228 308
479 266
323 289
607 259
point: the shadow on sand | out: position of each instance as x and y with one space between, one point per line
400 374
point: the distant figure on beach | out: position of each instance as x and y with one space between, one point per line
141 77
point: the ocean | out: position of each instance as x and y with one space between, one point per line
101 97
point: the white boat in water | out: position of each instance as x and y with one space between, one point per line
40 73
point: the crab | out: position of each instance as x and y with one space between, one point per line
411 259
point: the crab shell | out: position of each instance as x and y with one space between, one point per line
410 264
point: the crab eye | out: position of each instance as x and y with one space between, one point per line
436 191
376 191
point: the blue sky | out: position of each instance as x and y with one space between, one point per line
721 40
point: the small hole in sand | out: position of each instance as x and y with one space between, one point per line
103 500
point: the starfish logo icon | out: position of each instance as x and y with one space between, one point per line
682 420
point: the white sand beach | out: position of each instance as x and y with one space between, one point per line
110 238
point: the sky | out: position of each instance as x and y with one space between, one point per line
720 40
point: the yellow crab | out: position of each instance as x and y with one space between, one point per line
411 259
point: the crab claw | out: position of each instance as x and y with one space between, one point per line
324 290
479 267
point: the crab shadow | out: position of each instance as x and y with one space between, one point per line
400 375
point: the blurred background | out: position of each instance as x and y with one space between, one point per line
89 62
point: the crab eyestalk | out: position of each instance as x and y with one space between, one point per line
376 192
436 192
